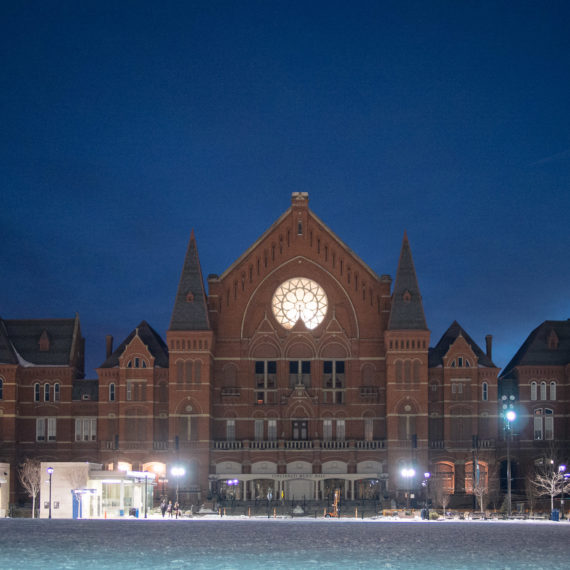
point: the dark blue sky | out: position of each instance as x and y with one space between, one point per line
123 125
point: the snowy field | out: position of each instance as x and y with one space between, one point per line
281 543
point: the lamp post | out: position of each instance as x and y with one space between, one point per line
178 472
407 474
510 417
561 470
145 493
50 473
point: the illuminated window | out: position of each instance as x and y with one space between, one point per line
85 429
299 299
230 430
265 381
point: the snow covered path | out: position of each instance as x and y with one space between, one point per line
281 543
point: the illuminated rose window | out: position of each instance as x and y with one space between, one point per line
299 298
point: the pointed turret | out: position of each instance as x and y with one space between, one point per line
407 312
190 311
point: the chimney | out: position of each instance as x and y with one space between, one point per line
109 345
489 342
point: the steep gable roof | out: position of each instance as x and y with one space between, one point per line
535 349
150 338
407 311
190 307
21 338
298 198
449 337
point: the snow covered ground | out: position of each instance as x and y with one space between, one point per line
230 543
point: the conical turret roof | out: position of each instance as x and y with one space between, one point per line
407 312
190 307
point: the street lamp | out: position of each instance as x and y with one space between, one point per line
145 493
178 472
407 474
561 470
50 473
510 417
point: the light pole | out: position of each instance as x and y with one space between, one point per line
145 493
510 417
561 470
407 474
50 473
178 472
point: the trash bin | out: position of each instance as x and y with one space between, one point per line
555 515
122 513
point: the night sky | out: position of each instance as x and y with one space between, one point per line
126 124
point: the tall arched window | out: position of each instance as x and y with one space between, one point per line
1 389
407 371
56 392
543 390
180 371
112 392
188 371
533 390
399 375
553 390
46 392
416 371
484 391
198 372
37 392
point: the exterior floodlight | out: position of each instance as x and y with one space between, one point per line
178 472
511 416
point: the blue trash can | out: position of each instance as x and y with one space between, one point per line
122 513
555 515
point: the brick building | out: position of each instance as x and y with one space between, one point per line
297 372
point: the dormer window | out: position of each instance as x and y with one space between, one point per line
136 363
407 297
460 362
44 341
189 297
552 340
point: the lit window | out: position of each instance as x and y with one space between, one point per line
340 430
230 430
543 424
272 430
299 299
45 429
327 430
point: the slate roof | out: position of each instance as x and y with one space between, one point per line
19 341
435 355
190 311
89 388
407 312
150 338
535 352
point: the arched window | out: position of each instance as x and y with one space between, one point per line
533 390
37 392
1 389
399 371
407 372
180 371
112 392
188 371
484 391
416 371
197 372
543 390
46 392
56 392
553 390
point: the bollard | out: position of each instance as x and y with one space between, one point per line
356 513
249 512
